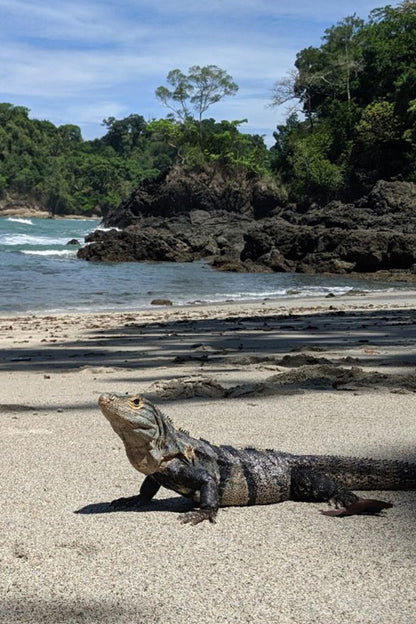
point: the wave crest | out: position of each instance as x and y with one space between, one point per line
65 253
20 220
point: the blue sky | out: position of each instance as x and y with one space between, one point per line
81 61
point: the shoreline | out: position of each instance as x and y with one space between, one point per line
26 213
395 299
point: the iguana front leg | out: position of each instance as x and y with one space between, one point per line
208 500
148 489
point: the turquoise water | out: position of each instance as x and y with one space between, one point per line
40 272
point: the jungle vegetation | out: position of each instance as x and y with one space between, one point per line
351 120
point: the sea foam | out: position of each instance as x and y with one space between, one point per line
20 220
27 239
65 253
108 229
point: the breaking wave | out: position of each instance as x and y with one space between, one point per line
27 239
20 220
65 253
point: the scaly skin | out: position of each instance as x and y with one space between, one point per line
220 476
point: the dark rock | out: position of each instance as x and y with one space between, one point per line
266 198
134 244
316 244
73 241
245 225
180 191
183 238
166 302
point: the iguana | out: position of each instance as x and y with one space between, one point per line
220 476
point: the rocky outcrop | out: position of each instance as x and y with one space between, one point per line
247 226
199 234
284 247
182 216
376 233
134 245
180 192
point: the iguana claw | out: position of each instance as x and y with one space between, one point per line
197 516
361 506
126 503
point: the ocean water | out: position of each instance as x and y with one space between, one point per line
40 272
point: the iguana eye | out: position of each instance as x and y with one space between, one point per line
137 402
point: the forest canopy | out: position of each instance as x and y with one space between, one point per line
68 175
351 121
353 109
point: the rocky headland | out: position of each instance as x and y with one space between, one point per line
247 225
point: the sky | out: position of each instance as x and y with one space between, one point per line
81 61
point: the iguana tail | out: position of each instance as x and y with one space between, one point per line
362 474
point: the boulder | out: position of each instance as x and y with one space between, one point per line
135 245
161 302
183 238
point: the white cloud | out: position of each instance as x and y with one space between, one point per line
85 59
72 20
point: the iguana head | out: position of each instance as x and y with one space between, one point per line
135 413
147 434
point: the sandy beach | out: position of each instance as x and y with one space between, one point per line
334 375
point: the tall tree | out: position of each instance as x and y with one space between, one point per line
344 50
176 98
193 93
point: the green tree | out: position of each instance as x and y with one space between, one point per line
314 175
357 89
210 85
326 73
176 98
192 94
225 144
124 135
378 146
343 49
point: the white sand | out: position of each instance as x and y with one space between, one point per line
279 563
